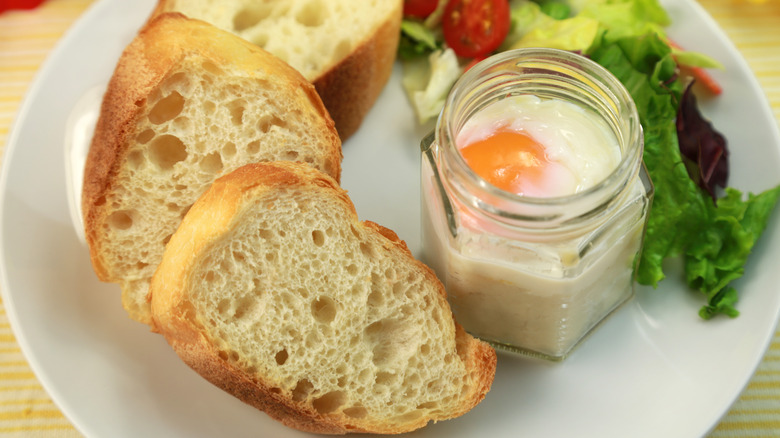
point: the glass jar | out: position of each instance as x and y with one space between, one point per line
530 274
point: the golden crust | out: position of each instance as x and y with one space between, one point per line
206 222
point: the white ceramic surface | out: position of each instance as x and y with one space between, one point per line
654 369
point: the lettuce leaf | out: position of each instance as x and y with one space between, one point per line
717 255
645 66
428 81
416 40
532 27
714 239
625 18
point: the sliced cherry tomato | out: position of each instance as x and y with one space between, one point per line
420 8
474 28
19 4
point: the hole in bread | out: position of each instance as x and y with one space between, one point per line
302 390
209 107
145 136
291 155
352 269
229 149
212 68
427 405
318 237
393 340
238 257
367 250
260 39
246 306
167 239
253 147
181 124
135 159
250 16
223 307
237 108
329 402
356 412
324 309
384 378
167 108
166 151
312 14
269 121
281 357
211 163
120 220
185 210
408 416
223 355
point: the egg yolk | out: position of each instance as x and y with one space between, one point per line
510 160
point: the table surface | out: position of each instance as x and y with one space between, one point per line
27 37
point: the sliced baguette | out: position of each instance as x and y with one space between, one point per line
187 103
274 291
345 47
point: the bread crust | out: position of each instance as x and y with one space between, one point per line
162 45
211 218
351 88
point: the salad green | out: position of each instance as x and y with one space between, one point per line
713 235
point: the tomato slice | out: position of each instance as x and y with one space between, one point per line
474 28
19 4
420 8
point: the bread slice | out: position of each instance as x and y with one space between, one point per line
345 47
187 103
274 291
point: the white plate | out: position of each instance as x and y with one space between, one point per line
654 369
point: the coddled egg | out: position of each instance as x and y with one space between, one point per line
539 147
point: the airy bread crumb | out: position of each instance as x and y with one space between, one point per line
273 290
346 48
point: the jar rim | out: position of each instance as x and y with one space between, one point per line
564 62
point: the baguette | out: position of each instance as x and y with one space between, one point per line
272 290
187 103
346 48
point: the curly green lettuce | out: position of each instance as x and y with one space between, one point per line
714 237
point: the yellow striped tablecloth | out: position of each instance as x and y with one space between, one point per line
26 38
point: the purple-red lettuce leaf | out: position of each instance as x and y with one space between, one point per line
703 147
